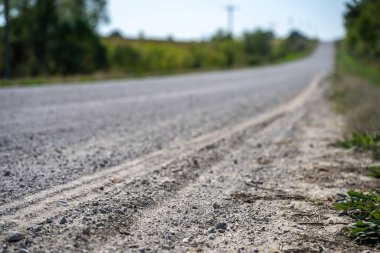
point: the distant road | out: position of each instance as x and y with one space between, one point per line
52 135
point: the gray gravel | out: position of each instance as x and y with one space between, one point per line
250 187
52 135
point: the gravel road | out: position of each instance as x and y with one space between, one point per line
212 162
52 135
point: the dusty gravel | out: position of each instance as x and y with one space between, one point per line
53 135
241 174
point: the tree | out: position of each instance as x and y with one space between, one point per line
363 28
56 36
258 46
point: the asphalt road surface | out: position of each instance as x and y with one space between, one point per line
51 135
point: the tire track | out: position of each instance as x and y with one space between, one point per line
36 208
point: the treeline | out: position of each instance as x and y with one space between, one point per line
359 52
362 21
55 37
59 38
221 51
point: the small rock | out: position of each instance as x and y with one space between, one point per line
144 182
215 205
23 251
211 231
221 225
14 236
7 173
211 237
62 220
133 246
35 229
23 246
167 247
118 211
186 240
143 250
86 231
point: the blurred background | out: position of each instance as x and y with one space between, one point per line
47 40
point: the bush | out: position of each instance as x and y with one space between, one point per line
363 29
258 46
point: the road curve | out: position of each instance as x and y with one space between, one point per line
52 135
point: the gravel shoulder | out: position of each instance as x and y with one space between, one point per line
266 187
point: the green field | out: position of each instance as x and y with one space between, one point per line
131 58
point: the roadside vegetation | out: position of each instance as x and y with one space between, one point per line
55 40
220 52
374 171
364 208
356 95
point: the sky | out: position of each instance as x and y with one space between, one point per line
199 19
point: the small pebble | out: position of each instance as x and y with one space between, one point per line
211 237
211 231
215 205
62 220
221 225
14 236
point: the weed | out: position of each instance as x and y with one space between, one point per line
374 171
362 142
365 209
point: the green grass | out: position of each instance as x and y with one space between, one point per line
374 171
363 142
364 208
355 94
366 70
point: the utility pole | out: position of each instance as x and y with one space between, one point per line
230 19
7 48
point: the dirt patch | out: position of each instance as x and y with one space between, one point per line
250 198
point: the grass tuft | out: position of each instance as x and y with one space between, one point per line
365 209
374 171
363 142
